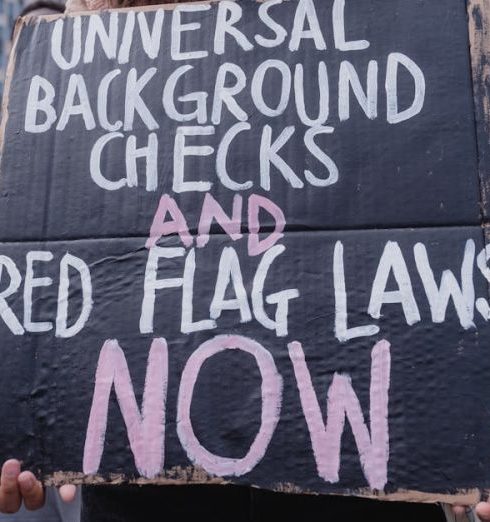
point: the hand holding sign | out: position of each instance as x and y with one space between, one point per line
18 487
483 511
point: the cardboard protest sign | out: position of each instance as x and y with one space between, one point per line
242 243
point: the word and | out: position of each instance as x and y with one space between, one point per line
229 272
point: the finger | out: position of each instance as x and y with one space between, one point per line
10 498
483 511
459 510
68 493
31 491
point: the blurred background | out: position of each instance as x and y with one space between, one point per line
9 10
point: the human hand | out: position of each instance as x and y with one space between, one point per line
17 487
482 510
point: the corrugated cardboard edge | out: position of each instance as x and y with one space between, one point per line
479 40
179 476
9 73
8 80
166 6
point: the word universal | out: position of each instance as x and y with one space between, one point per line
318 95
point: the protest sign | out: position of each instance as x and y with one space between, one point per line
245 243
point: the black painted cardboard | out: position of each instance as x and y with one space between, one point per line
400 185
383 166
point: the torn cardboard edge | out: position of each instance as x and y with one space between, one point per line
179 476
479 47
9 74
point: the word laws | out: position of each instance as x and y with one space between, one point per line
393 264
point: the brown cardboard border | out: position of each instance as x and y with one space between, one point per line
479 41
179 476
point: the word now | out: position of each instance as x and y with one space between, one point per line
146 428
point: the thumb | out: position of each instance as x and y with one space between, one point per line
68 492
483 511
